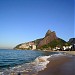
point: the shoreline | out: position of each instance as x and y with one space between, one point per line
60 66
70 52
67 52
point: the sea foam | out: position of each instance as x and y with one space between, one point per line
40 63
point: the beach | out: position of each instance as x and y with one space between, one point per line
55 63
70 52
59 65
62 65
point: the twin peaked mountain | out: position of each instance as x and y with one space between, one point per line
50 36
48 42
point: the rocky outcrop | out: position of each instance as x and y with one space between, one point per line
50 40
72 40
50 36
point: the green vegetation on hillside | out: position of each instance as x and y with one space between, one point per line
17 47
57 42
49 42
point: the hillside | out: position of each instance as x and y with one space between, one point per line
48 42
49 36
72 41
55 43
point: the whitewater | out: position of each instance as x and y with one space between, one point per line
13 62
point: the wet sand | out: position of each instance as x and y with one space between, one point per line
60 66
70 52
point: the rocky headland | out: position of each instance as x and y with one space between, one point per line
49 42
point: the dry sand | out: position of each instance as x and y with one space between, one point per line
60 66
63 65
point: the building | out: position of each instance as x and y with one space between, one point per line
28 45
33 47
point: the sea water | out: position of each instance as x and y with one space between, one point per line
23 61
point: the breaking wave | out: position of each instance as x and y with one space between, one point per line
40 63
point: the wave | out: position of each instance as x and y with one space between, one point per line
40 63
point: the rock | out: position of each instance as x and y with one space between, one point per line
50 36
72 40
38 43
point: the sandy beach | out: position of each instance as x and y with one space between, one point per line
60 66
70 52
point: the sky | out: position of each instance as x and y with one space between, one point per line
26 20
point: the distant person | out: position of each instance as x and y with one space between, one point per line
19 73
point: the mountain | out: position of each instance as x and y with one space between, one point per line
72 41
50 36
53 44
49 41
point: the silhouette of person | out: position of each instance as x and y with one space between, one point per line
19 73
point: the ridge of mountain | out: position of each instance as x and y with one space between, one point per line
49 36
49 40
72 40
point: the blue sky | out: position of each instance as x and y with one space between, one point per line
27 20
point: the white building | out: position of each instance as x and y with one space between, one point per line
33 47
67 47
29 45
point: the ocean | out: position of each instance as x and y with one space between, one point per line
18 61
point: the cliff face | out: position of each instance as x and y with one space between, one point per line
50 36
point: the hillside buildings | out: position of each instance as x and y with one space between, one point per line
28 45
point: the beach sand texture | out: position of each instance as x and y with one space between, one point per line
60 66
